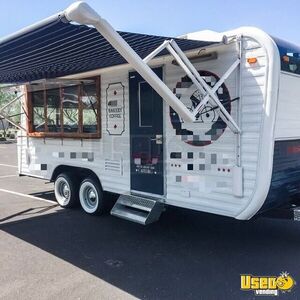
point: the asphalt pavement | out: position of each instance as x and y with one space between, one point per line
50 253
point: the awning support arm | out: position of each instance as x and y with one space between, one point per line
82 13
202 86
8 118
216 86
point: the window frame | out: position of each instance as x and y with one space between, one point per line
76 135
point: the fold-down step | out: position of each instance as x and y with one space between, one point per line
137 209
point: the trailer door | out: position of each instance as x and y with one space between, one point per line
146 136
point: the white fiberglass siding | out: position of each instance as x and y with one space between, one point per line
115 148
211 190
109 156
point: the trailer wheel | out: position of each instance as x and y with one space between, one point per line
66 190
91 196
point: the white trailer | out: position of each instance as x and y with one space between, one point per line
208 121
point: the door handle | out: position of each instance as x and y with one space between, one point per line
158 139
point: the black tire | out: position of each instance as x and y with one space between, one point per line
66 190
91 197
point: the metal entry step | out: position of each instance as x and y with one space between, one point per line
137 209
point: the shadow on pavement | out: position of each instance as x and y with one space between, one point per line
48 195
186 255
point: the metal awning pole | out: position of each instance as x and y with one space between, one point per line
156 51
186 69
11 122
82 13
224 113
198 81
8 118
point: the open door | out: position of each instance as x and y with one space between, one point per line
146 136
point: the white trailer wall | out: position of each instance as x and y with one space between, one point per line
207 190
211 190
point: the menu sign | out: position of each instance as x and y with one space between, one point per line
115 108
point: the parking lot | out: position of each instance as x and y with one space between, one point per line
49 253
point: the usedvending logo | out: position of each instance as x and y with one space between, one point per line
268 285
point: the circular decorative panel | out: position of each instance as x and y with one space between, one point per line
208 126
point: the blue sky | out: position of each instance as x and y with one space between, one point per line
167 17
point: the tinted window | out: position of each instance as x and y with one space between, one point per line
289 56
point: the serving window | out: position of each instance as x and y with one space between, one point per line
65 110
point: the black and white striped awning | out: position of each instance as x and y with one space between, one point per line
57 48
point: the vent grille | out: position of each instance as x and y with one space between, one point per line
113 166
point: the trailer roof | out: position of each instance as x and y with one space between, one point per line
56 47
